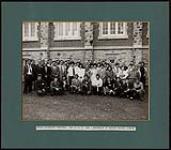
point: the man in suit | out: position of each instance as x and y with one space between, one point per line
28 77
47 75
39 68
34 77
55 69
142 73
62 69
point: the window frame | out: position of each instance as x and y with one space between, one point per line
30 37
64 36
113 36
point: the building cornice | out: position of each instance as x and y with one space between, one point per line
83 48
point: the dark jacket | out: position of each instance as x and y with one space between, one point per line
40 84
47 72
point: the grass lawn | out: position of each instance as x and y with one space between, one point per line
83 108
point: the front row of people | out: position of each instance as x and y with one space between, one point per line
127 88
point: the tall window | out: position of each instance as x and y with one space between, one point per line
113 30
67 31
30 31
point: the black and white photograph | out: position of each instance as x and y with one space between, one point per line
85 70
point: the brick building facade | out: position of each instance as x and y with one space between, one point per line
86 40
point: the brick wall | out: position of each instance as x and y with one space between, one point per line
84 53
145 39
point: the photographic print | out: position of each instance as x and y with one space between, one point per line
85 75
85 70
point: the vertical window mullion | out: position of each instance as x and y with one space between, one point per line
71 28
116 26
108 28
29 31
124 28
64 29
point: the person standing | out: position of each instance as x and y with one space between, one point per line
34 76
28 77
81 72
47 75
62 69
142 72
93 72
70 73
55 70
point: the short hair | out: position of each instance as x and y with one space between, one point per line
97 75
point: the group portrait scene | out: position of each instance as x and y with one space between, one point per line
103 77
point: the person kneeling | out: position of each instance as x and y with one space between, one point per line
97 85
56 87
75 85
86 85
108 87
40 86
138 89
117 86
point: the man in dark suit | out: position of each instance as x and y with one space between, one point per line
47 74
62 69
34 76
28 76
55 69
39 68
142 73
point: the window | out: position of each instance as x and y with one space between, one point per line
113 30
67 31
30 31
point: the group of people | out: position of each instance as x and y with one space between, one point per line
55 77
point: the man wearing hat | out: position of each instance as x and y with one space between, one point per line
40 86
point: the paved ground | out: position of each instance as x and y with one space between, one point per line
78 107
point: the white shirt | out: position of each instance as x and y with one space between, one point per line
77 70
71 71
97 82
29 70
81 72
125 74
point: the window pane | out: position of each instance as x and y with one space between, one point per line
60 29
74 28
33 29
105 28
26 29
67 29
112 28
120 28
